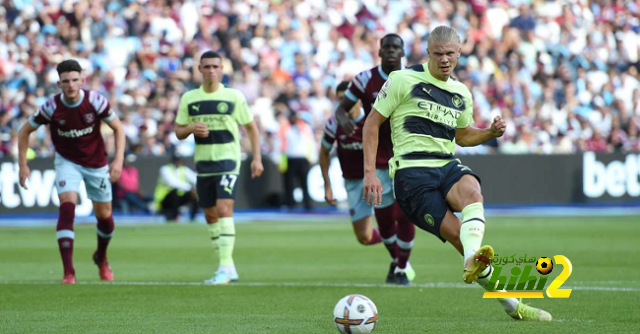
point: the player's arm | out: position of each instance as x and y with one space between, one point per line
324 162
370 132
115 168
23 145
470 136
198 129
388 99
183 127
254 137
342 115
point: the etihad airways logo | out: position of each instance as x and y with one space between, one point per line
75 133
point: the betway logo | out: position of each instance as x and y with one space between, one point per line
42 191
355 146
616 179
75 133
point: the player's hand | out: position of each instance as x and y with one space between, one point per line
115 169
328 196
25 173
200 130
372 192
498 127
256 168
346 123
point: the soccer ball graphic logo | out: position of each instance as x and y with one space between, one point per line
544 265
355 314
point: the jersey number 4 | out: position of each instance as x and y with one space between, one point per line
103 185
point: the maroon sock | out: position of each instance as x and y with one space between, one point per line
104 231
387 226
406 234
375 237
65 235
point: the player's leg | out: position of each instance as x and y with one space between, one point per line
99 191
66 235
450 230
224 187
361 214
207 198
104 230
466 197
364 231
227 237
420 200
386 218
405 229
68 179
463 194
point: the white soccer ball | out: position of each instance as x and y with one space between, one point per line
355 314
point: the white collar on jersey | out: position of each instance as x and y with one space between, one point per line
75 104
382 74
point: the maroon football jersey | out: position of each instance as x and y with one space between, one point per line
75 130
350 152
365 87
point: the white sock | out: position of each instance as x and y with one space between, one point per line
509 304
472 229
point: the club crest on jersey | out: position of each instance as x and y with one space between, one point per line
383 91
62 183
223 107
457 101
62 122
89 118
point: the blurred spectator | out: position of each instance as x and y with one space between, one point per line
555 66
175 188
128 194
297 146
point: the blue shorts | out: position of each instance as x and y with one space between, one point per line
69 177
421 193
358 208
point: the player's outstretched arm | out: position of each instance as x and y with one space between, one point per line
342 116
254 136
324 161
23 145
198 129
115 168
470 136
372 187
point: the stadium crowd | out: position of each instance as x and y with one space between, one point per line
563 74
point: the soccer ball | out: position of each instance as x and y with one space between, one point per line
544 265
355 314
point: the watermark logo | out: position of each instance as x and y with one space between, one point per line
525 283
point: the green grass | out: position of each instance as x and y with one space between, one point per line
320 262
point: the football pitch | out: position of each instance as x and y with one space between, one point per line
293 273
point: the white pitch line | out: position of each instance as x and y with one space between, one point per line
437 285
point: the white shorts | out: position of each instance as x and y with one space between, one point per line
358 208
69 175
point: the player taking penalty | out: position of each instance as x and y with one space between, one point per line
430 113
74 117
212 114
